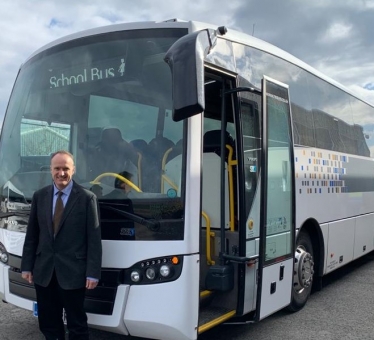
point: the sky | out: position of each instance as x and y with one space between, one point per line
334 36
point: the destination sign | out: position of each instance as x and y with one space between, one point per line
103 70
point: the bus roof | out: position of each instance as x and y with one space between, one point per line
192 26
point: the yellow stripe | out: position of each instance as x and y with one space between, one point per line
216 322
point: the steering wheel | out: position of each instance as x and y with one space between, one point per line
113 174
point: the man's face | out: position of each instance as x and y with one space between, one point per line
62 170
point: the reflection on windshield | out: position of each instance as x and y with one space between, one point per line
13 199
108 101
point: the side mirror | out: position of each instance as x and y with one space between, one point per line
186 61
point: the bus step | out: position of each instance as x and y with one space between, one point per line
212 316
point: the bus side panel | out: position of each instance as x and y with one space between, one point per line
340 244
166 311
364 235
329 190
250 296
278 294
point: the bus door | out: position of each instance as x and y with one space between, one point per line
277 212
219 235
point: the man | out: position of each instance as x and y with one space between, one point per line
122 189
123 186
62 250
114 153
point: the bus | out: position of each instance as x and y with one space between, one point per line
250 174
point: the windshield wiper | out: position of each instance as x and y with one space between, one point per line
151 224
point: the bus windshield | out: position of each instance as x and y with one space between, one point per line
107 99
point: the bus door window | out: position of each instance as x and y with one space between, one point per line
250 107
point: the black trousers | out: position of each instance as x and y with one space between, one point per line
51 301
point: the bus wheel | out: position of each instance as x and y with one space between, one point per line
303 272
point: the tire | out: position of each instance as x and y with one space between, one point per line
303 272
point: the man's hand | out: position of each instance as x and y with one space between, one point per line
28 277
91 284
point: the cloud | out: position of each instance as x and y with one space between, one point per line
337 31
28 25
333 36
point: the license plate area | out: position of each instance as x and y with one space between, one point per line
35 309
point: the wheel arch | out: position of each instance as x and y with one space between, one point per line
312 227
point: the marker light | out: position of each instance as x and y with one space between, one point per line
165 270
135 276
175 260
150 273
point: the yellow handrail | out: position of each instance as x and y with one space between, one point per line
169 181
230 163
209 234
166 154
113 174
205 293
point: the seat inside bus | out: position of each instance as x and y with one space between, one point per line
211 178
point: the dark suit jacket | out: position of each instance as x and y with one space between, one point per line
75 252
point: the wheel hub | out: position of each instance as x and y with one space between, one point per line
303 269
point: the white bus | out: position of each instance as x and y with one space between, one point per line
251 172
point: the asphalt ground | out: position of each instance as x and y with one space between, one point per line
342 310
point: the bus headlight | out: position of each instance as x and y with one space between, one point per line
135 276
154 270
3 254
150 273
4 257
165 270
